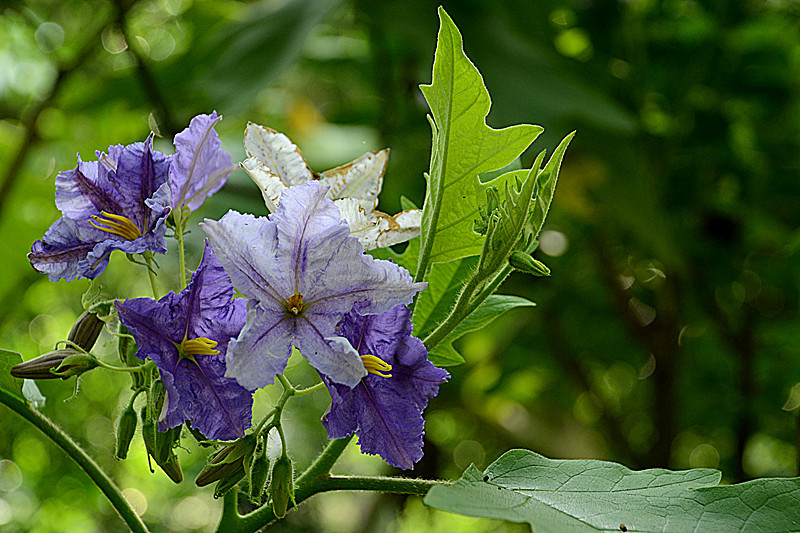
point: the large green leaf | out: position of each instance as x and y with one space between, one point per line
463 147
443 354
587 495
7 381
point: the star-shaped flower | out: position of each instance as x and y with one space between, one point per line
187 335
117 203
200 166
302 272
385 408
275 163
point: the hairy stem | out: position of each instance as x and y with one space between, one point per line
71 448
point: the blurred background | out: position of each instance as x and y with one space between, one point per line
667 335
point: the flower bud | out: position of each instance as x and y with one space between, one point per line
61 363
525 263
257 468
85 331
172 468
126 428
170 465
165 442
226 484
281 486
226 462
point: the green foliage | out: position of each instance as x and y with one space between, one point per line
7 381
463 147
443 354
589 495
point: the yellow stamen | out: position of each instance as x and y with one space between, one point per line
199 346
294 305
376 365
116 225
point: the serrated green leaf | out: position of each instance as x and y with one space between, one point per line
587 495
7 381
443 354
463 147
546 182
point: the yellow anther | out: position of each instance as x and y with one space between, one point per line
376 365
199 346
116 225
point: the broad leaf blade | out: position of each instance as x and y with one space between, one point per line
463 147
443 354
588 495
7 381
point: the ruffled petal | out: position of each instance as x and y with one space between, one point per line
262 349
200 166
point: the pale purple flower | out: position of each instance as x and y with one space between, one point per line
200 166
187 334
117 203
302 272
385 408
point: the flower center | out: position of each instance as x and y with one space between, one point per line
116 225
294 305
199 346
376 365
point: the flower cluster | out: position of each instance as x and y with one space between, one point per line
306 281
121 201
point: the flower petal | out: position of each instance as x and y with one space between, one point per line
200 166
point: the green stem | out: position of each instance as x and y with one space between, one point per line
309 390
129 369
71 448
179 227
463 307
148 258
230 521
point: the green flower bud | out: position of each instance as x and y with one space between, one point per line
227 461
85 331
281 486
165 442
172 468
525 263
227 483
257 468
148 433
126 427
62 363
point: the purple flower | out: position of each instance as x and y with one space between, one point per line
117 203
200 165
302 272
385 408
187 335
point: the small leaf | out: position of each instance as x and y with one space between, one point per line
443 354
588 495
7 381
546 182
